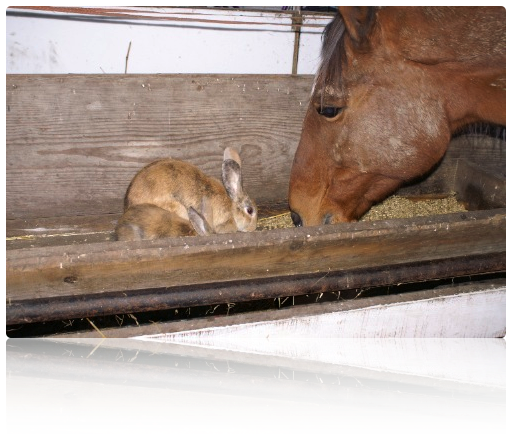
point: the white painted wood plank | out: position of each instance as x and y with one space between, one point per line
479 314
408 338
161 40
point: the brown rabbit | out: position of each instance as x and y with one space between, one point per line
177 186
149 222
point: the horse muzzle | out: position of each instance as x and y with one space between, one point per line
326 220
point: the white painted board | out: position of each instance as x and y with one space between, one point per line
160 40
435 337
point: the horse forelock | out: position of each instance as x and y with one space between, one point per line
329 71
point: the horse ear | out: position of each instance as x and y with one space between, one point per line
358 21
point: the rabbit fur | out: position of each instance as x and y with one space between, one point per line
149 222
170 197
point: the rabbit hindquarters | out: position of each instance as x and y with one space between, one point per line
149 222
172 185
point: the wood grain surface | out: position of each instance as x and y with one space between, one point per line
130 266
74 142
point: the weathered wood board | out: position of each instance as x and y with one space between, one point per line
75 142
106 267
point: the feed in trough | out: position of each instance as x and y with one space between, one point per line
390 208
403 207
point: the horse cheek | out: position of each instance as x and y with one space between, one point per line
403 144
424 140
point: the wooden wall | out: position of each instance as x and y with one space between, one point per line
75 141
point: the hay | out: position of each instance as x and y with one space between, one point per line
392 207
280 221
401 207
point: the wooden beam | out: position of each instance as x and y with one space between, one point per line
86 136
70 307
129 267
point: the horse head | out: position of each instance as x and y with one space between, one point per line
393 85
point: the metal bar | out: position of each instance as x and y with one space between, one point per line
243 385
68 307
277 20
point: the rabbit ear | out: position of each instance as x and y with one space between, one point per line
207 209
232 178
198 222
230 153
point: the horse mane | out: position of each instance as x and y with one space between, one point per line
333 51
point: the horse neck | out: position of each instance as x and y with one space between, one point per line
465 48
433 35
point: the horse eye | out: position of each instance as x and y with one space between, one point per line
329 111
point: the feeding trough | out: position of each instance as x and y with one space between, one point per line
74 142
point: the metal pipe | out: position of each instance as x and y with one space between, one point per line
68 307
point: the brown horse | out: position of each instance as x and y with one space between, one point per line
394 84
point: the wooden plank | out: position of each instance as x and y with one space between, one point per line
479 189
127 266
41 403
59 231
343 283
75 141
485 153
465 324
86 136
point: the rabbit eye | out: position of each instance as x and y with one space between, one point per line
249 210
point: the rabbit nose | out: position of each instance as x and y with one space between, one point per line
297 221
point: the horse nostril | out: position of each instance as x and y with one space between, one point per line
297 221
327 219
